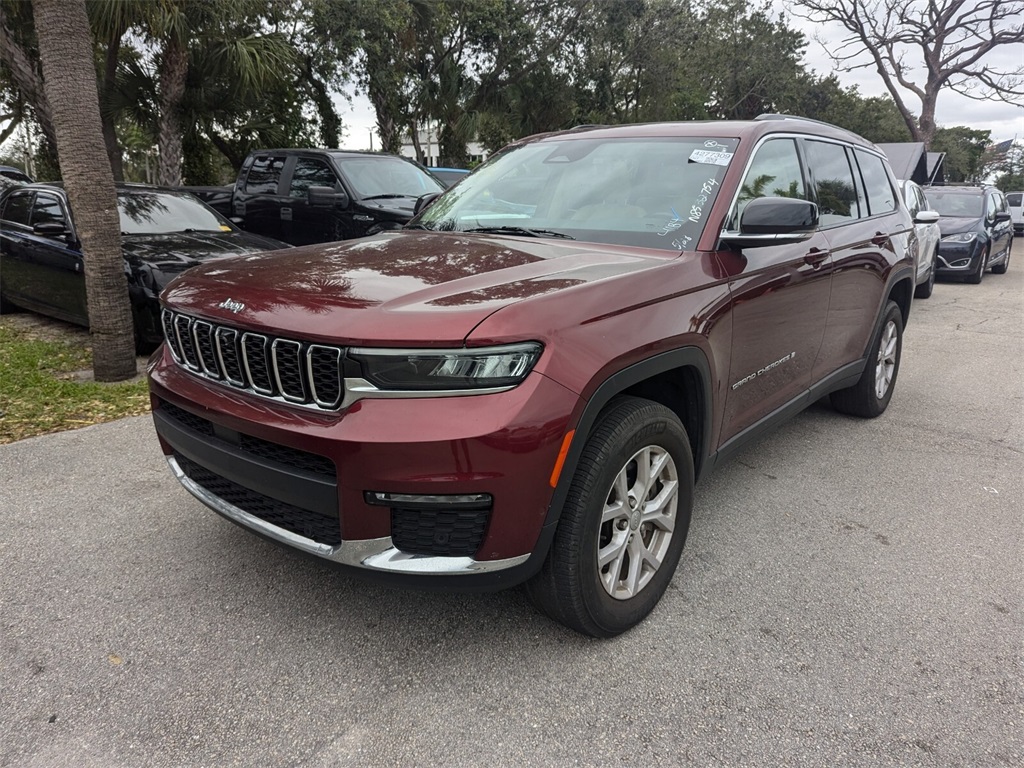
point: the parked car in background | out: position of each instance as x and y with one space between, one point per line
926 225
977 233
304 196
449 175
526 389
163 233
11 173
1015 204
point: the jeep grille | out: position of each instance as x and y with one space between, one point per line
287 370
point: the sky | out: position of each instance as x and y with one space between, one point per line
1005 121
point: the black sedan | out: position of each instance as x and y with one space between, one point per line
163 233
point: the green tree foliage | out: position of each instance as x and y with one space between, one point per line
965 152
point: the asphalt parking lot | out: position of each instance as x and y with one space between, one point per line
851 595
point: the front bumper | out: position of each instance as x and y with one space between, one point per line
958 258
503 445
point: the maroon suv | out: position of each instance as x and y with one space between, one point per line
524 385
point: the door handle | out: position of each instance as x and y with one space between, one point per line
815 257
880 239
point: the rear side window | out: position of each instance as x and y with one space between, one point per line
310 172
264 175
1014 199
834 187
18 207
880 194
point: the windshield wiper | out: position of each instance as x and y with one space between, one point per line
521 231
389 195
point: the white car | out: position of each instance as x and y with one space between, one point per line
1015 203
926 224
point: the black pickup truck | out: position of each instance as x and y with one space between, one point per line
304 196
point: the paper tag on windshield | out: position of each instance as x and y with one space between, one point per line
710 158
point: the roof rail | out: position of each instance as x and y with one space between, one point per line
776 116
588 127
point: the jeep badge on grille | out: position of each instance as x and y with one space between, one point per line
232 305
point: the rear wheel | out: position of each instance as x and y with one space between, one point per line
870 396
624 522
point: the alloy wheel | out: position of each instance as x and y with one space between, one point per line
886 359
637 522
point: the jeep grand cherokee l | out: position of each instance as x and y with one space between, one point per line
525 385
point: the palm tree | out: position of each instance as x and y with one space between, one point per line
69 79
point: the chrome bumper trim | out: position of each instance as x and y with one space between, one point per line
372 554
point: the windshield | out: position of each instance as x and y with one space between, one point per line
960 204
379 176
159 213
648 192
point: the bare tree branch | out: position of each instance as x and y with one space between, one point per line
925 46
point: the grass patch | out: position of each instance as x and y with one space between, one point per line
39 393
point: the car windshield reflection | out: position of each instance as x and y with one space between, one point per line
161 213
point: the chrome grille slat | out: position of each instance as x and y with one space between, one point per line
286 356
286 370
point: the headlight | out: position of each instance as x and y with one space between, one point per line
960 237
447 369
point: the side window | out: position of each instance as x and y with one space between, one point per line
914 202
922 201
834 187
880 194
774 172
264 175
1015 199
310 172
47 209
18 208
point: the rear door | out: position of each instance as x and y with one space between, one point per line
55 262
857 203
780 298
15 245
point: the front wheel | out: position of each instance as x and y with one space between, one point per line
975 277
624 522
1000 269
870 396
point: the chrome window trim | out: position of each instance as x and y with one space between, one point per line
372 554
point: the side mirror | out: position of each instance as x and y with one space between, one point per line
50 229
774 221
237 221
424 201
926 217
1002 216
326 197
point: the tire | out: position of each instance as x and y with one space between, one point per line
870 396
6 307
601 519
924 290
975 277
1000 269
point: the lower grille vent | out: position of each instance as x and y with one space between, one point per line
302 522
450 532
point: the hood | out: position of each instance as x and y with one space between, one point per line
176 251
399 207
952 225
427 288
